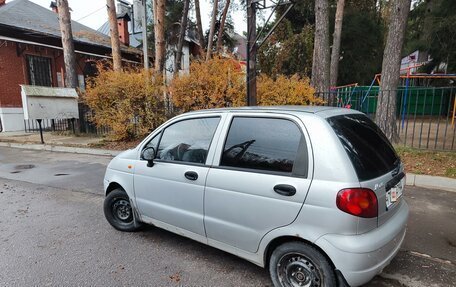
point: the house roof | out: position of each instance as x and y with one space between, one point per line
35 19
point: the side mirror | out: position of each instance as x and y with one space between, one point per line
148 154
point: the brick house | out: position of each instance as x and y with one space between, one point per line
31 53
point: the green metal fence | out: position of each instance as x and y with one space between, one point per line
425 115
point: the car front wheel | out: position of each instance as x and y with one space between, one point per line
118 211
297 264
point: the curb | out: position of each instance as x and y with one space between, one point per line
55 148
426 181
429 181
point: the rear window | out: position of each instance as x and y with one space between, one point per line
369 150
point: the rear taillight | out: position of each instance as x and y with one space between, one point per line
360 202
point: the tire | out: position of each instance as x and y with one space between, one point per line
300 264
118 211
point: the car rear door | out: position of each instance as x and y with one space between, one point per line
259 179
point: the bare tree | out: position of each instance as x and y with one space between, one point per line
335 51
159 30
222 25
320 64
180 44
69 56
386 106
210 39
115 42
199 25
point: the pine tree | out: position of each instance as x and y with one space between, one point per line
115 42
210 39
183 29
386 106
159 32
320 64
69 56
335 51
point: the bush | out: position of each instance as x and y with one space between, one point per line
216 83
285 91
220 83
129 102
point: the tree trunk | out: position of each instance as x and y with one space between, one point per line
159 30
144 34
320 64
199 26
180 44
210 39
222 25
335 52
386 106
69 56
115 42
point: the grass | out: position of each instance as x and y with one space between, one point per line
438 163
116 145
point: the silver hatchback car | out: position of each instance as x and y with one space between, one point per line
312 193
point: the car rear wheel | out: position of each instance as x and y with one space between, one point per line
118 211
297 264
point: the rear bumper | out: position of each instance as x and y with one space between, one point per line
360 257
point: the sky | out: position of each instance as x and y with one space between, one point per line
92 13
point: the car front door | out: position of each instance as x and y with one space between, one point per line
170 193
259 182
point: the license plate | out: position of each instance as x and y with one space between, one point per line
394 194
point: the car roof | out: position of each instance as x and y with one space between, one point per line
323 111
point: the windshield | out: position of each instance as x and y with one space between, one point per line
370 152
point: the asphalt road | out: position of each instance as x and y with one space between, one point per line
53 232
68 171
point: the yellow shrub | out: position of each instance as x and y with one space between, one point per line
216 83
220 83
285 91
129 102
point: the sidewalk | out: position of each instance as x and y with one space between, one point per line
84 145
55 142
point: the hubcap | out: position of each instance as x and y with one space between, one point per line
121 209
296 270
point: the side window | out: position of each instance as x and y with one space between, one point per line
270 144
188 140
153 142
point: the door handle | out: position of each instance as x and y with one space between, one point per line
285 189
191 175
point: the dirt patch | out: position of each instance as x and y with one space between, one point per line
437 163
175 277
113 145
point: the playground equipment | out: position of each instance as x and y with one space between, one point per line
407 77
350 89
